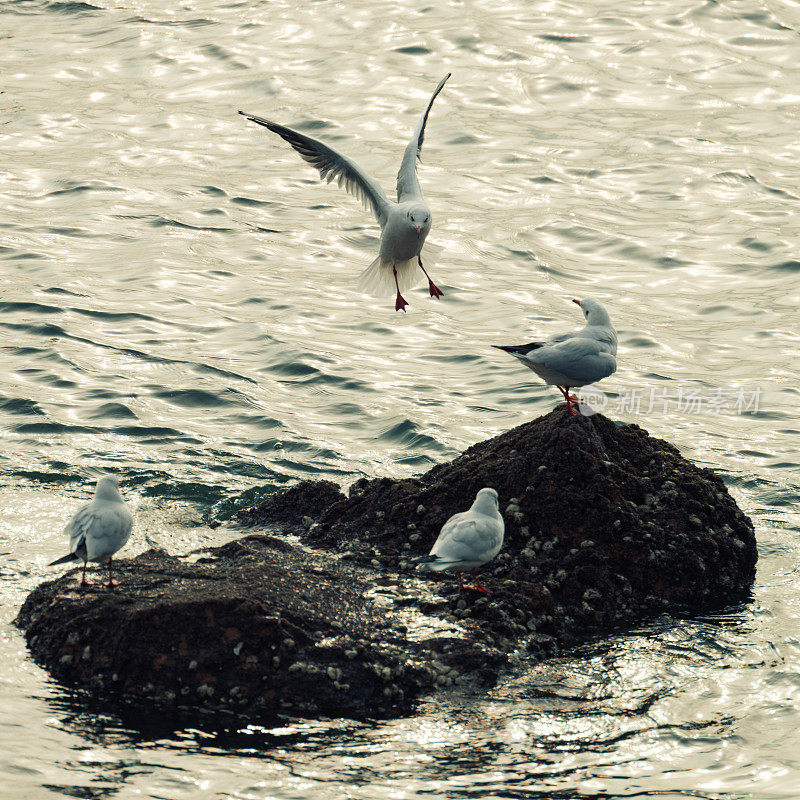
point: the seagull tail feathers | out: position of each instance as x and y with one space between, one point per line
378 278
64 559
433 564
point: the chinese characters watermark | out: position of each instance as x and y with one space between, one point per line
660 400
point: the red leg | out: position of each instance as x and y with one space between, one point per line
432 287
84 582
460 582
478 583
399 304
572 402
570 399
111 582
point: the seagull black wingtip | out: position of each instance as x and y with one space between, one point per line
64 559
259 121
518 349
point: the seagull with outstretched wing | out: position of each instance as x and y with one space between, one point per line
404 224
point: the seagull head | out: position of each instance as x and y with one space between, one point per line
419 218
487 502
107 488
594 311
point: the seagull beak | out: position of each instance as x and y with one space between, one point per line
578 302
418 229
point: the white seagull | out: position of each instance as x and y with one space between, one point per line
468 540
404 224
573 359
99 529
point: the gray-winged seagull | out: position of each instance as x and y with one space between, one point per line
573 359
468 540
99 529
404 224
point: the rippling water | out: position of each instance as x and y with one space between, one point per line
178 303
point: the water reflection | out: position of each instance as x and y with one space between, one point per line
606 720
180 305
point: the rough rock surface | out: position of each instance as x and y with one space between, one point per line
604 525
304 499
257 626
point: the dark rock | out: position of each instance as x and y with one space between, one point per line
604 525
603 521
259 627
304 499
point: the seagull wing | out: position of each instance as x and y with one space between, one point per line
111 526
520 350
407 183
332 165
78 527
585 359
604 334
562 337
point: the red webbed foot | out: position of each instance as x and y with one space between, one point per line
432 287
84 580
477 587
570 398
400 303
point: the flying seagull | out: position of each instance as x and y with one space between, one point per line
573 359
404 224
468 540
99 529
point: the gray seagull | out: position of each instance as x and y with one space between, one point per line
573 359
99 529
468 540
404 224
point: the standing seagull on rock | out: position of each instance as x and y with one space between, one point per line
404 224
468 540
573 359
99 529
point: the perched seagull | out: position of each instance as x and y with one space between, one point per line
99 529
468 540
404 224
573 359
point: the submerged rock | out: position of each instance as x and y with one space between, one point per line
604 525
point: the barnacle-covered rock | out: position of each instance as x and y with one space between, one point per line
605 525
